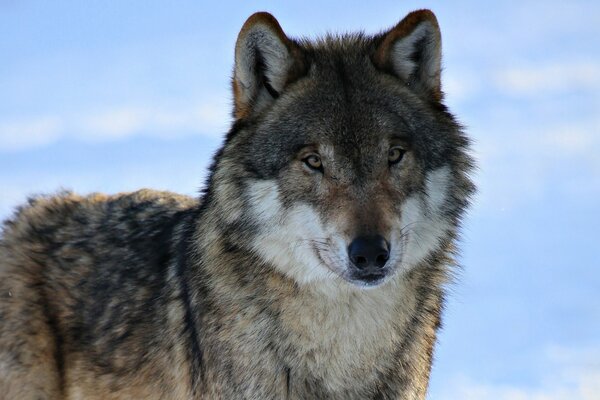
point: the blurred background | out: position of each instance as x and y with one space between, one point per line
115 96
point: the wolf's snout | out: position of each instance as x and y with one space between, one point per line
369 252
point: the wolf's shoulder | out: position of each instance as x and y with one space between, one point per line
67 215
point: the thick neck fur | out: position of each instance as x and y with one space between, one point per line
332 339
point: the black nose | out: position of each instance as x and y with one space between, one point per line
368 252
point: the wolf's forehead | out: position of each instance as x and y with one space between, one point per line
346 73
349 96
352 122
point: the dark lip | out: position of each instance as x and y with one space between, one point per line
368 279
371 277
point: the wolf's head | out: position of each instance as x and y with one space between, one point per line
343 162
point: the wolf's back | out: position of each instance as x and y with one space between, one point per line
83 278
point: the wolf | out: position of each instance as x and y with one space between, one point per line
313 265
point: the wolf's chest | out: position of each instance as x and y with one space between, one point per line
347 341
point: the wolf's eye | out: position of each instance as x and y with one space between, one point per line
313 161
395 155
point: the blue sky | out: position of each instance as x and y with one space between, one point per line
99 97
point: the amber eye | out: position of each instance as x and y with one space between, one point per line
313 161
395 155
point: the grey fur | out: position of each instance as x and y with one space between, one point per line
155 295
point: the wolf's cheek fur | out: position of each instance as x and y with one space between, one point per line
423 223
286 236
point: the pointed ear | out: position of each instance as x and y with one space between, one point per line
412 51
265 62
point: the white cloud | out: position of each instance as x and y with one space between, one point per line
535 80
521 161
567 374
159 121
575 140
38 131
574 357
585 386
116 123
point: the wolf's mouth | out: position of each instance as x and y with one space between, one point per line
327 263
369 279
345 270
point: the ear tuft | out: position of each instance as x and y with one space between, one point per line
412 51
265 60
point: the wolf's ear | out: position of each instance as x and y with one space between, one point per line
265 62
412 51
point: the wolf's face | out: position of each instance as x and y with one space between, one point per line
344 163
